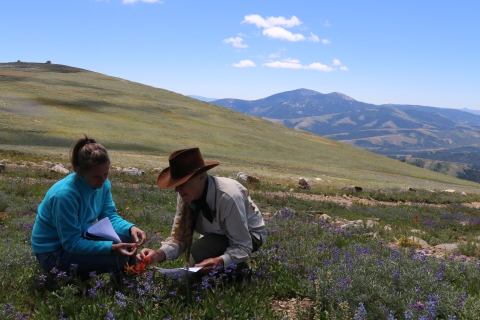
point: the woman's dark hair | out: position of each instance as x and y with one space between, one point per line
86 153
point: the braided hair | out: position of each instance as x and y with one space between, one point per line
182 231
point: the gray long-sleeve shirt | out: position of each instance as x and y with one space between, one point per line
236 215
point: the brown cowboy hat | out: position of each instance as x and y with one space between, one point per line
184 165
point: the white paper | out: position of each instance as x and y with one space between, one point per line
104 228
177 272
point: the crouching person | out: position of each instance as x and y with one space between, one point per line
71 206
219 209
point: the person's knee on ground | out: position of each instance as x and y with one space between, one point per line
209 246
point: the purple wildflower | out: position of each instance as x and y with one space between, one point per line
396 274
419 306
391 316
92 292
360 313
408 315
9 307
42 278
110 316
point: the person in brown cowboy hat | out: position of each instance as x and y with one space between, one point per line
218 208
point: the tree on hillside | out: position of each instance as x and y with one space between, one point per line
470 174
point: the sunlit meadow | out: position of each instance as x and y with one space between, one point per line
346 273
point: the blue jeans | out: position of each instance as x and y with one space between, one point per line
63 260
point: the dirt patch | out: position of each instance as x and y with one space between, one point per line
292 308
475 205
346 201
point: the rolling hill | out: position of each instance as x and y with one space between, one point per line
44 107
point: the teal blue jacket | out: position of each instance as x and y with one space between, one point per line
68 209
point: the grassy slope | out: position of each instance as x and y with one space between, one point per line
43 108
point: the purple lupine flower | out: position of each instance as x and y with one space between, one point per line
408 314
60 315
460 300
419 306
110 316
121 303
9 307
120 295
396 274
396 254
92 292
361 312
431 306
391 316
440 274
343 283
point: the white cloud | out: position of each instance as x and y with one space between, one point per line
236 42
274 27
313 37
325 41
244 64
147 1
326 24
281 33
336 62
343 68
270 22
295 64
285 64
320 67
277 54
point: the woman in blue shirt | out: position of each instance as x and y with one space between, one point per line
71 206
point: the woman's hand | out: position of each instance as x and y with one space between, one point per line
124 249
139 235
209 264
151 256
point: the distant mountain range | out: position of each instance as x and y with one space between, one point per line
471 111
389 129
202 98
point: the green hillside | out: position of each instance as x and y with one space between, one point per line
44 107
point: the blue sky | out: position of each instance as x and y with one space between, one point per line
405 52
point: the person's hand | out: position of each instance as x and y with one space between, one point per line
209 264
124 249
151 256
139 235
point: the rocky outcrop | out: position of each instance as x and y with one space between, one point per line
59 168
245 178
304 183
